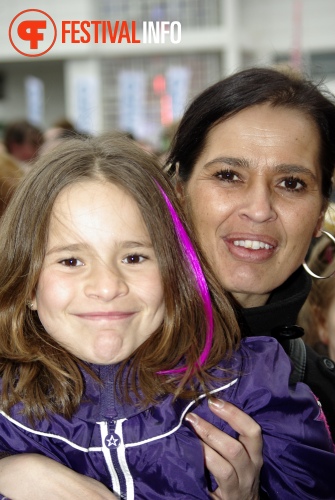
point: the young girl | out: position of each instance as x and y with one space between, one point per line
112 341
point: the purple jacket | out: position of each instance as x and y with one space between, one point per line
154 454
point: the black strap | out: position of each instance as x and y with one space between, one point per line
297 353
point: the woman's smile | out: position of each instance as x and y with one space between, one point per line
253 248
254 196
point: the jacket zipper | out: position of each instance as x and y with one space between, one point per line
114 453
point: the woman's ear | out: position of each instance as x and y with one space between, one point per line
317 231
179 186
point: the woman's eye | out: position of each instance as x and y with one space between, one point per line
293 184
134 259
227 175
72 262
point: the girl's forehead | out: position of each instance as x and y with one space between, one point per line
95 209
90 192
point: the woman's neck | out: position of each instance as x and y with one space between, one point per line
247 300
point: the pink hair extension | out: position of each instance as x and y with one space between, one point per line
199 279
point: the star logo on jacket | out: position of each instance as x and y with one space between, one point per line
112 441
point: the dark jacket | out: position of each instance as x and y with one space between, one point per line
277 319
154 454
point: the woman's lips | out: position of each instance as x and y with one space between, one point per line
252 248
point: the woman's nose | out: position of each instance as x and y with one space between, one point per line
105 283
257 204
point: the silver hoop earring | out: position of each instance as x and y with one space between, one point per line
307 269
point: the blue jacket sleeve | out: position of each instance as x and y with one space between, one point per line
298 453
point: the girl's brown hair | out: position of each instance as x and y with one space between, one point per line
35 369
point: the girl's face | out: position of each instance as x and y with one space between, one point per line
255 198
99 293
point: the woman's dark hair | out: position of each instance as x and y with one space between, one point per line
249 88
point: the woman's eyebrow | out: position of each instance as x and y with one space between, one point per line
295 169
228 160
284 168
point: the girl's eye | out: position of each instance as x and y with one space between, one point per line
72 262
134 259
293 184
227 175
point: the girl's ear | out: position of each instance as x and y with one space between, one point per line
31 303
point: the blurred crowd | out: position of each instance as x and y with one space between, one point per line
23 142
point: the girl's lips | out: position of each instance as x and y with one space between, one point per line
107 316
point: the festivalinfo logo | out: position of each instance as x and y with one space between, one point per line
33 32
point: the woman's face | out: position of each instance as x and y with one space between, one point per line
99 293
255 198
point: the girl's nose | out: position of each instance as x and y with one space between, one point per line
105 283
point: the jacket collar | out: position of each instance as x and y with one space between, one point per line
281 309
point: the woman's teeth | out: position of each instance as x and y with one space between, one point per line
253 245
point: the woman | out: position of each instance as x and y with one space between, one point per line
253 160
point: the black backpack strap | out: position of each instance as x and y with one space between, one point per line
297 352
289 336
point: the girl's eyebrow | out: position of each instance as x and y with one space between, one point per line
135 244
284 168
76 247
66 248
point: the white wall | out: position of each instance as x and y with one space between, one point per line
270 23
251 31
13 106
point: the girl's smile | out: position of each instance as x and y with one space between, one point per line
99 293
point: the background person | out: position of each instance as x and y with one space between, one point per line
23 140
317 316
10 176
